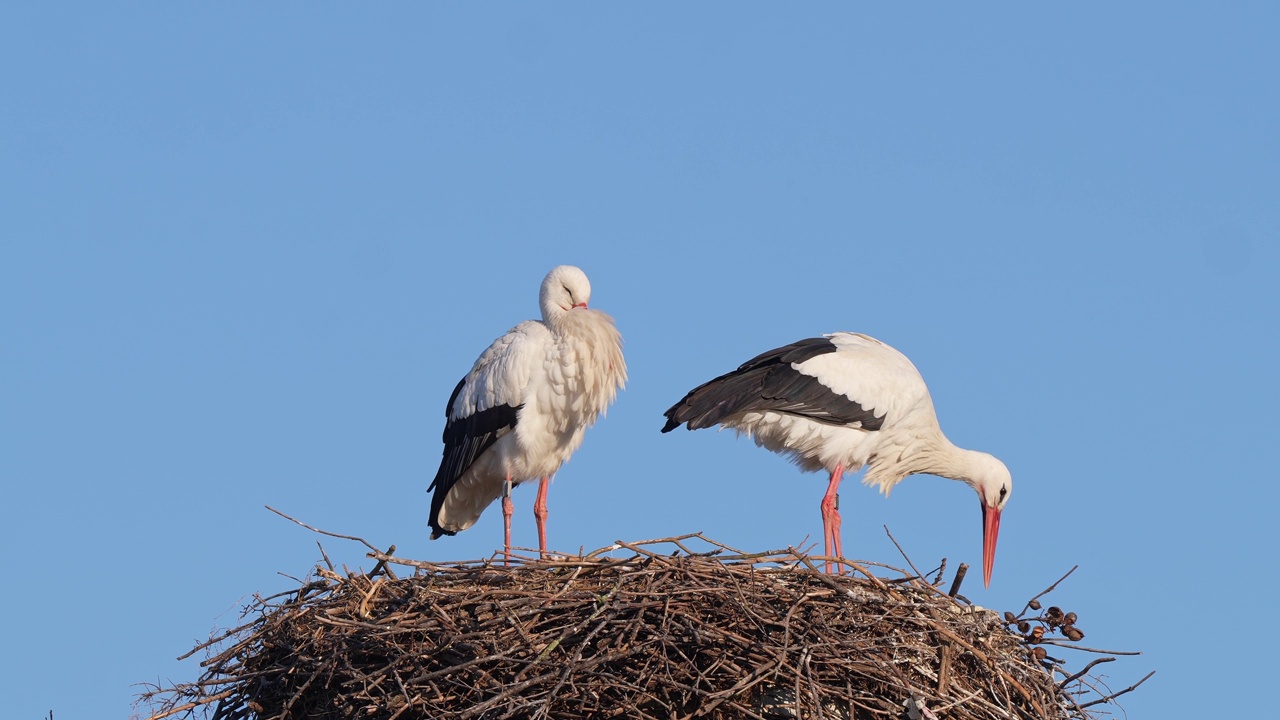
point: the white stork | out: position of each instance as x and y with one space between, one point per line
524 407
841 402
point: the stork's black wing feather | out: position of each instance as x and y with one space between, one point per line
768 382
464 441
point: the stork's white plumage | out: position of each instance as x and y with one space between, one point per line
841 402
524 407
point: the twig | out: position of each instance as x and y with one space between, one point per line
955 584
903 553
1073 646
942 570
194 704
1047 590
944 669
328 563
1115 695
322 532
1084 670
382 564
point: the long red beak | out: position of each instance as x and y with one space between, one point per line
990 531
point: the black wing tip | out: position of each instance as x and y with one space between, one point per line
438 532
689 413
678 415
713 401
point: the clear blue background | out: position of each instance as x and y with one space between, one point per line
247 252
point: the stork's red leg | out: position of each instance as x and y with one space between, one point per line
507 510
831 517
835 534
540 515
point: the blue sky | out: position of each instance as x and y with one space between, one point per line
247 253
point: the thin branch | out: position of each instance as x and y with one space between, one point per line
1073 646
924 582
381 566
328 563
1115 695
955 584
1084 670
195 704
322 532
1047 590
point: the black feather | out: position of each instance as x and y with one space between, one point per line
465 439
768 382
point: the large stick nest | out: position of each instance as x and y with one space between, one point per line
652 634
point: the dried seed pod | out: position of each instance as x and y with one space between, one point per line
1034 604
1037 633
1054 613
1009 617
1024 627
1038 653
1072 633
1069 619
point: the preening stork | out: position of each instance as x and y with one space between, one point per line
524 407
841 402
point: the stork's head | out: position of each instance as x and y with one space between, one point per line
565 288
991 479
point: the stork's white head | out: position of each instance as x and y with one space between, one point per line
565 288
991 479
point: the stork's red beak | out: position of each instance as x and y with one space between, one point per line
990 530
579 305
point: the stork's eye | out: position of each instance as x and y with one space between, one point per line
1004 490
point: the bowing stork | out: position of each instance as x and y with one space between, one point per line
841 402
524 407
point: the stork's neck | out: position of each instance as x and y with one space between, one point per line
553 315
930 453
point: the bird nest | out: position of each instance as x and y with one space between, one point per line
656 629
